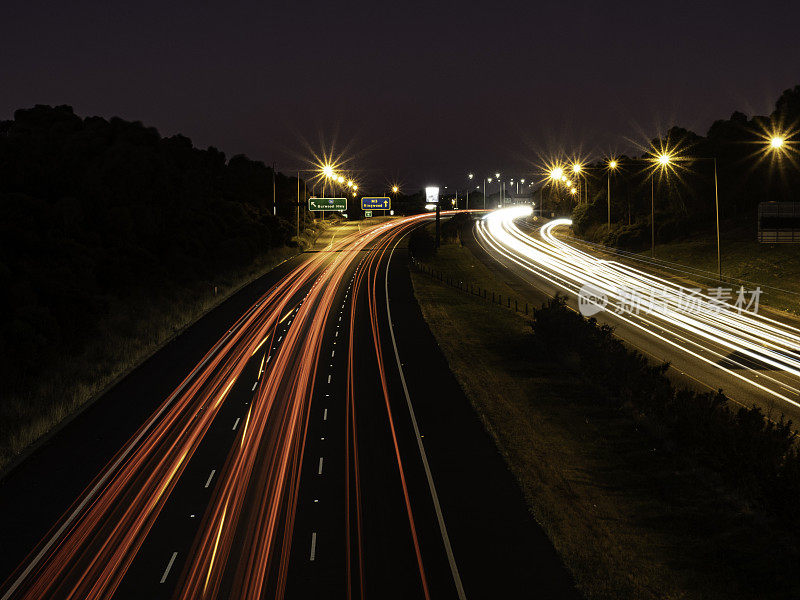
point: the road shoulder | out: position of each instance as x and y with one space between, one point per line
625 523
500 549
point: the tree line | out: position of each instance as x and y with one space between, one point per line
749 171
96 212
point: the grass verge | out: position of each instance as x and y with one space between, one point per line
773 267
628 519
128 336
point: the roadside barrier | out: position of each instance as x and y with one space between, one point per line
473 289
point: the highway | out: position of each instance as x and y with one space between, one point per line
308 453
752 357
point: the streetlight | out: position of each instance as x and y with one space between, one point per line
499 186
612 165
662 160
777 143
327 171
576 170
395 189
470 178
554 174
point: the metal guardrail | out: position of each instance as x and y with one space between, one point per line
473 289
779 222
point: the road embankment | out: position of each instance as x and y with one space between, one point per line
631 514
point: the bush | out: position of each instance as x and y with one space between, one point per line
421 243
630 237
756 456
451 228
585 215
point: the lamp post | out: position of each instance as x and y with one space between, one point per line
555 174
652 218
577 169
663 160
775 145
716 207
499 187
470 176
298 204
395 189
541 197
612 165
274 199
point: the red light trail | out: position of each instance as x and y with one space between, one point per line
242 546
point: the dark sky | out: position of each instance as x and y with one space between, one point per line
421 92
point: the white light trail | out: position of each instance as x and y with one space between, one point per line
704 327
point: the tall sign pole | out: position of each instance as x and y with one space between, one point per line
298 204
432 197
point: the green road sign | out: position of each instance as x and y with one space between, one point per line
368 203
367 213
335 204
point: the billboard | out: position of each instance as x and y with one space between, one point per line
431 195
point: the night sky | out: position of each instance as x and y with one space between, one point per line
417 92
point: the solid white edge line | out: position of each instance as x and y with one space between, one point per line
122 457
435 497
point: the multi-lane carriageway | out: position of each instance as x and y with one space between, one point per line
318 449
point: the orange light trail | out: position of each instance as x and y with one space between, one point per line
243 542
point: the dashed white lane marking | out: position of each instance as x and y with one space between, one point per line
254 386
210 477
169 566
337 334
332 353
319 470
329 378
235 425
325 415
313 545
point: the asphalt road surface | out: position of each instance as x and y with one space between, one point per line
303 440
753 358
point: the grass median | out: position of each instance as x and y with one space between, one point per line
627 518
